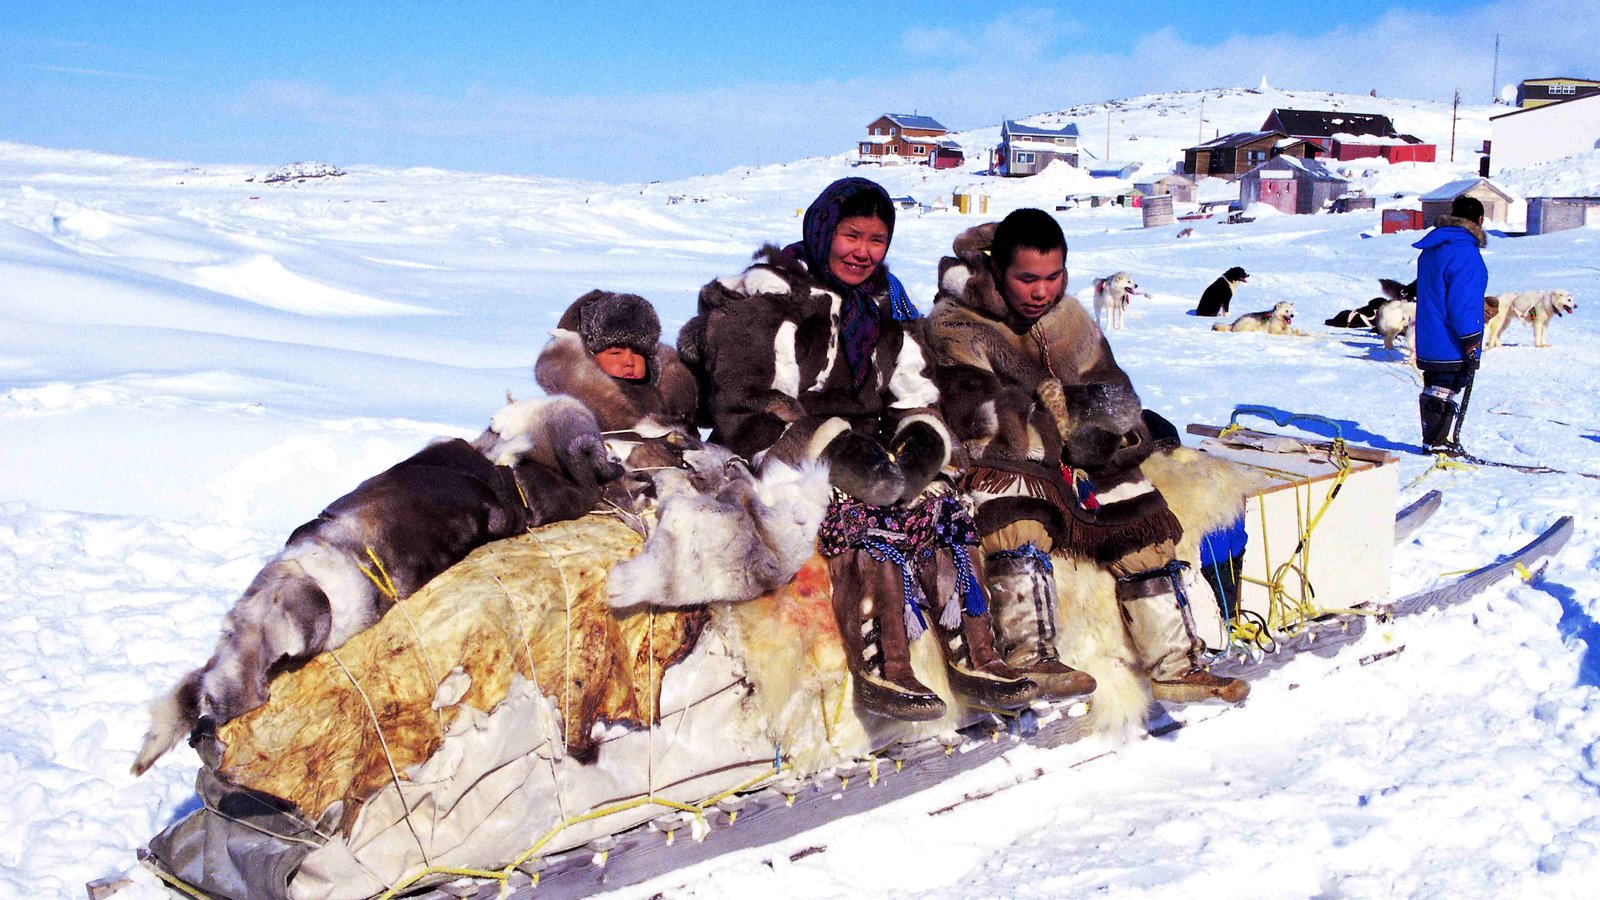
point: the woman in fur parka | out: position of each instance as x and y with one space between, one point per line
816 353
1056 435
606 352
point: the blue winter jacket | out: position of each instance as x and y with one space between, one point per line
1451 281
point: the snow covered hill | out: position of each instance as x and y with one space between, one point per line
192 364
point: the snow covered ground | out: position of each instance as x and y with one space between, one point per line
192 363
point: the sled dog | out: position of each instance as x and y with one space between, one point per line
1278 320
1111 296
539 461
1396 317
1537 308
1366 316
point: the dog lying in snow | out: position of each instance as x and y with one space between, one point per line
1537 308
1111 296
1278 320
539 461
1366 316
723 534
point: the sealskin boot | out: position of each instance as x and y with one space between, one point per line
1022 602
870 609
1155 608
976 671
1438 419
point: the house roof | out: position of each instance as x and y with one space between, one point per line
1455 189
1011 128
1310 167
1111 168
1560 78
1557 105
905 120
1322 123
1236 139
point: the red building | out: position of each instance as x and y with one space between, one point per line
901 138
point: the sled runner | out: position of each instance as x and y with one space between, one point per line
504 725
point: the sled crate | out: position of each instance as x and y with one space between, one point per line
1351 546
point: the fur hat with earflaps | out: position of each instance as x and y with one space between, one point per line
604 319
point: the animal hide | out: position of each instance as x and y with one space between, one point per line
722 534
539 461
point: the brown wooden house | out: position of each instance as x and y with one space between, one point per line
1232 155
900 137
1495 199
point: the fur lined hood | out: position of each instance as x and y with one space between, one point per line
1449 221
566 365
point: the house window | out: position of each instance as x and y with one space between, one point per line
1061 140
866 149
1021 158
918 149
1563 89
1257 157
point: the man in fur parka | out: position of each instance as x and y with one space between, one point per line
606 352
1056 434
816 353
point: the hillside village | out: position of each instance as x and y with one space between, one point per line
1297 160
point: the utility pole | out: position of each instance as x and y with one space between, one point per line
1201 134
1454 105
1108 131
1494 82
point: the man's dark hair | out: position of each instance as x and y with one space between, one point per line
1027 227
1465 207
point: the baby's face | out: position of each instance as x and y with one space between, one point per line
621 362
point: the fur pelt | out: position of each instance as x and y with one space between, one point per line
789 649
1278 321
1205 493
540 461
722 534
1537 308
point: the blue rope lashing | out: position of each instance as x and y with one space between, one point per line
900 305
968 590
1029 550
881 550
1174 572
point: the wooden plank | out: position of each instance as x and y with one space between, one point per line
1366 454
1547 544
1413 517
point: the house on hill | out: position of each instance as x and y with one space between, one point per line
1319 126
1292 185
1496 200
1539 134
1232 155
1536 92
1026 150
898 137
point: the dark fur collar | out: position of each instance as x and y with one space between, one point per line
1467 225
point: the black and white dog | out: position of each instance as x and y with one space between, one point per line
540 461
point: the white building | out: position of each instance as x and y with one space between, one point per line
1530 136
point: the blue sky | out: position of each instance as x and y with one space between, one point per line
625 92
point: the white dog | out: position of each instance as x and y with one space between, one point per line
1536 307
1278 320
1395 317
1111 296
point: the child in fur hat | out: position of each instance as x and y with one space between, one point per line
606 352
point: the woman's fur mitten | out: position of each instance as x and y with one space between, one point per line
862 468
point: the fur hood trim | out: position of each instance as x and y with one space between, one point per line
668 393
968 277
1467 225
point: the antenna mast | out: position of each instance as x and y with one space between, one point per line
1454 105
1494 86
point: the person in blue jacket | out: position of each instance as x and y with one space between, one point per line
1451 281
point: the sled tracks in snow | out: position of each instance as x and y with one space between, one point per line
790 807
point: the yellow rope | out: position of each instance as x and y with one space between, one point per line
503 874
1442 463
385 585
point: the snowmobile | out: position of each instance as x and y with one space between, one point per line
504 732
